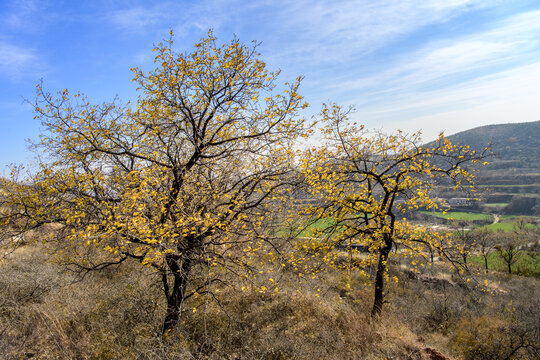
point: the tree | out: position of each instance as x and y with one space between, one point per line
508 251
509 247
464 239
364 183
183 183
485 243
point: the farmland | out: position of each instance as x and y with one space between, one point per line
459 215
527 264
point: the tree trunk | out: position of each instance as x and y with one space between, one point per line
486 262
379 278
509 268
180 269
173 313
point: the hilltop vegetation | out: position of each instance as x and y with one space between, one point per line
510 142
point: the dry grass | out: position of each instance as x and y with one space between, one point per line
46 314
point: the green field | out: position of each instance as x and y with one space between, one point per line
507 185
459 215
520 194
500 226
496 204
515 217
506 221
309 229
507 226
318 226
528 263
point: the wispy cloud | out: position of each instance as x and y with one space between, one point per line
27 15
139 18
181 16
348 29
309 29
448 73
454 81
15 61
512 41
501 97
189 21
506 97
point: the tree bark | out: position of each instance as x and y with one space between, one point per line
180 269
379 278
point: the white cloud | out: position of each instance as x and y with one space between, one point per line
313 30
180 16
454 84
509 96
462 79
514 40
15 60
347 29
138 19
27 15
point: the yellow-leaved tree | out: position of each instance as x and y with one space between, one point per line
362 183
184 182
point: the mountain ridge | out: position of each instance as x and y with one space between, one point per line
512 141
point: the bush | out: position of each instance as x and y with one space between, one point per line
489 337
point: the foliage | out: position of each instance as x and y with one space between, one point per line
366 182
184 183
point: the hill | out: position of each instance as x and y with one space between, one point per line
508 141
514 171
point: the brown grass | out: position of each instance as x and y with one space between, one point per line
47 314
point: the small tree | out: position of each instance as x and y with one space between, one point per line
364 183
509 248
183 183
465 241
508 251
485 244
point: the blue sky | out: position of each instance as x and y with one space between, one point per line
406 64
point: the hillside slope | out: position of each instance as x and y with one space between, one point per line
514 172
520 141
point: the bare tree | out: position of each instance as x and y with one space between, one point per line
485 243
508 250
465 239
